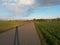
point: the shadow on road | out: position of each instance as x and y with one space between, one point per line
16 38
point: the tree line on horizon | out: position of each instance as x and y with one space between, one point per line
56 19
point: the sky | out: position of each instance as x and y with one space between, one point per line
29 9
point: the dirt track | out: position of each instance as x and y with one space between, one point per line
27 36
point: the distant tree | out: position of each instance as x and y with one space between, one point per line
58 19
34 19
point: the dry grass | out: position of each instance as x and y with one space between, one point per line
7 25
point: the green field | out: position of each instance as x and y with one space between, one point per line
8 25
49 32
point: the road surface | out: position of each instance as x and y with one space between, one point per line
27 35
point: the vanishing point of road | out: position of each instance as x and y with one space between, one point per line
27 35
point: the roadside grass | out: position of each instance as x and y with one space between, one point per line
49 31
8 25
42 40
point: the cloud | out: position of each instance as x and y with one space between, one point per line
48 2
20 7
26 2
25 7
34 3
8 0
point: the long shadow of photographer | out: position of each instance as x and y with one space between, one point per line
16 38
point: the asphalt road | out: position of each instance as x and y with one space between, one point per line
26 35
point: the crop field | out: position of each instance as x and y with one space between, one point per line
7 25
48 32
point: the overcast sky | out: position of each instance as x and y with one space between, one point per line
29 9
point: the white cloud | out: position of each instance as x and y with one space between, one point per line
19 7
8 0
26 2
22 6
9 5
